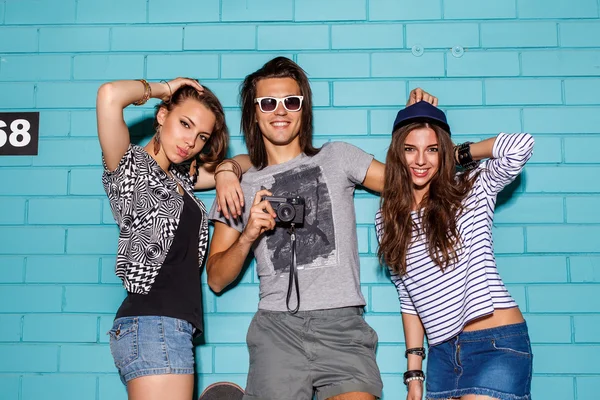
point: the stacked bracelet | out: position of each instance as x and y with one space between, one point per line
413 375
417 351
464 157
236 168
147 93
414 378
170 91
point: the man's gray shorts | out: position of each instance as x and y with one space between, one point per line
329 352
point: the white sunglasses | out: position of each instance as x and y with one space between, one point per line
270 104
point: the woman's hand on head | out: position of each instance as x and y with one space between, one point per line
172 86
418 94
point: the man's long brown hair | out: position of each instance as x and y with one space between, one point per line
439 208
279 67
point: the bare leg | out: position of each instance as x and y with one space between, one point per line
161 387
477 397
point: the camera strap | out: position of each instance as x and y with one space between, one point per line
293 273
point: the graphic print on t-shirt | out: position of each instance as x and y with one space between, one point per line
315 239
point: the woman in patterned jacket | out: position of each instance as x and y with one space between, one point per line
435 231
163 226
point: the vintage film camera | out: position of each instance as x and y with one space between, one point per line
289 210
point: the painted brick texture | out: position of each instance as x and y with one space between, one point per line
506 65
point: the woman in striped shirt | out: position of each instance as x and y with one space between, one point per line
435 232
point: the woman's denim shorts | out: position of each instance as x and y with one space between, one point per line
149 345
493 362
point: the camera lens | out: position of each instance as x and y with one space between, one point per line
286 213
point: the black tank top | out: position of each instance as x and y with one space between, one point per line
176 292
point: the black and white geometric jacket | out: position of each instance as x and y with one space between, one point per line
146 206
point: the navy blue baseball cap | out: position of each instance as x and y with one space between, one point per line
421 112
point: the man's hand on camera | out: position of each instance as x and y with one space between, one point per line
262 217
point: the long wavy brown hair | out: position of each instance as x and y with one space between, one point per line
279 67
439 208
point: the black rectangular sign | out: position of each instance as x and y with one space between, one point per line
19 133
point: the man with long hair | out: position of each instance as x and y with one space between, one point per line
309 335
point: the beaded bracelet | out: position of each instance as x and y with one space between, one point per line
413 378
412 375
147 93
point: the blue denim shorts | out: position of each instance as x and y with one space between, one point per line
494 362
151 345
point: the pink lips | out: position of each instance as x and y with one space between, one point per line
419 174
182 152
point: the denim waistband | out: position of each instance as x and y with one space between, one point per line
491 333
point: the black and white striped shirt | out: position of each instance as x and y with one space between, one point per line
471 288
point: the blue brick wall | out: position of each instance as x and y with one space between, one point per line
505 65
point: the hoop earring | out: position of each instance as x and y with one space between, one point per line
157 140
194 169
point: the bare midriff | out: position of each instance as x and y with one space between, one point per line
500 317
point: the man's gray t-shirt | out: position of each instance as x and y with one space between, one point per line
326 245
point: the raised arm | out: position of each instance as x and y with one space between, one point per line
482 150
229 247
111 100
506 154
